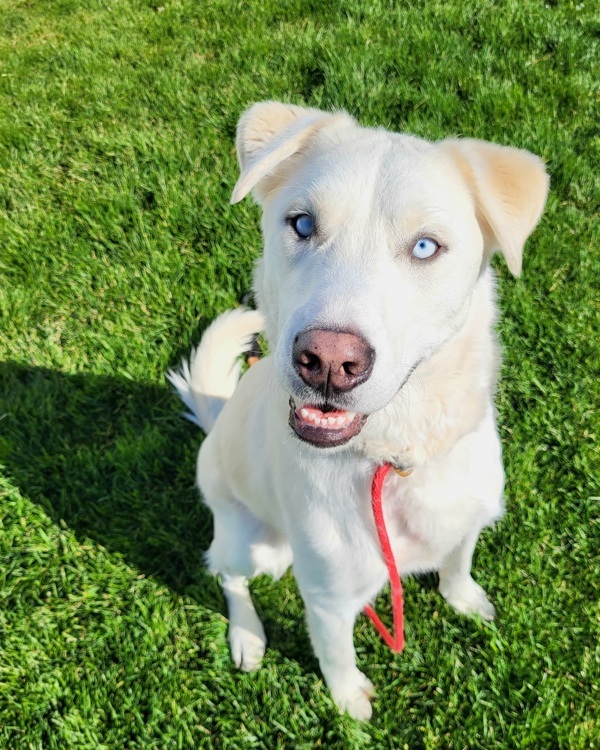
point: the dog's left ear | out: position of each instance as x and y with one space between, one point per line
269 133
509 187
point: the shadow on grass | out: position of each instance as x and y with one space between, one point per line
114 460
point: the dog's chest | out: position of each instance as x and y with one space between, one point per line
421 530
338 525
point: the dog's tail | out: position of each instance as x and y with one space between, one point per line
208 379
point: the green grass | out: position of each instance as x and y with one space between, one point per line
118 245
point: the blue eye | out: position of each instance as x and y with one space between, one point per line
303 225
425 248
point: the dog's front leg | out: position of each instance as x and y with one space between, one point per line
331 618
456 584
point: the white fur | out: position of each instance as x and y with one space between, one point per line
206 382
276 499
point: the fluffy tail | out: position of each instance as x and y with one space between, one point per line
209 378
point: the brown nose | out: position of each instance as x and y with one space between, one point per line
331 361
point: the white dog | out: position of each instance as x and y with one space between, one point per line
377 301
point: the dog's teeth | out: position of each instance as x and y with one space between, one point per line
335 419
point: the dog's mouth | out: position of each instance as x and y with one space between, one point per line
325 427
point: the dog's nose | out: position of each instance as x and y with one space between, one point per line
331 361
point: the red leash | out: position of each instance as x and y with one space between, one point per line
395 642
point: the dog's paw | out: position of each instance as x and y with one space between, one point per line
468 598
354 696
247 645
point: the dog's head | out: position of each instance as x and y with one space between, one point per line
374 243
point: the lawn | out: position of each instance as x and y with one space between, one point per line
118 246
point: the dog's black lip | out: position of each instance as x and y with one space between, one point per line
321 437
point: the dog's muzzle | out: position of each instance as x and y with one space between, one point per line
331 363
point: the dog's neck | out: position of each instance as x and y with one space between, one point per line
445 398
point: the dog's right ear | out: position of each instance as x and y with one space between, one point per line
270 132
509 188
